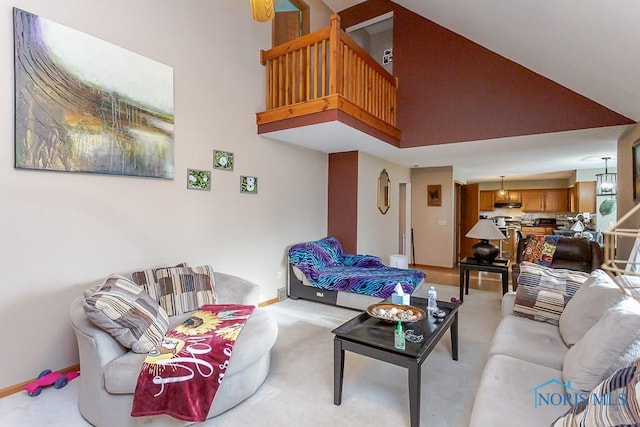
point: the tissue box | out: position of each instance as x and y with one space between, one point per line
400 299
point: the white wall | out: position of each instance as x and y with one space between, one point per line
320 14
59 231
433 226
625 196
362 38
459 175
377 233
379 43
590 174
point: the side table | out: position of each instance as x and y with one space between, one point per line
499 265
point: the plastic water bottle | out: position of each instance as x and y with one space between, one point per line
433 296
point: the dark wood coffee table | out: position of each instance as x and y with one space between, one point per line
373 337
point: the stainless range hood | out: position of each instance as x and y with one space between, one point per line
507 205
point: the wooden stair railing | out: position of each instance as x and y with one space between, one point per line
327 70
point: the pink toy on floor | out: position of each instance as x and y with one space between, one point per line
47 378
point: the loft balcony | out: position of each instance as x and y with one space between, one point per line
325 92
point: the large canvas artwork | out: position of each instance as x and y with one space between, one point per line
85 105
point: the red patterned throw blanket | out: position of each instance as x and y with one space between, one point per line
181 376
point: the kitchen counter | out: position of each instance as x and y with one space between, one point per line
564 232
537 230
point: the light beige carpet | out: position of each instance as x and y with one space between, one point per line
299 389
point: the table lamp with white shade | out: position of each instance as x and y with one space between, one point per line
485 230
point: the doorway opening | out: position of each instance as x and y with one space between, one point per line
375 36
291 21
405 244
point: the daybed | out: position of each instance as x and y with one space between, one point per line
578 358
321 271
110 370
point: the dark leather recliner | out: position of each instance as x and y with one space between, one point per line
572 253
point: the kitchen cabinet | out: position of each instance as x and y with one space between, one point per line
556 200
532 200
549 200
582 197
487 200
573 204
510 196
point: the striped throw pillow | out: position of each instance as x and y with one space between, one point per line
182 290
127 312
543 292
148 277
614 402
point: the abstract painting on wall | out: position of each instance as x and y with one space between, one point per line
86 105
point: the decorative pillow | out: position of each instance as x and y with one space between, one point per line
592 299
543 292
540 249
148 277
610 344
127 312
614 402
182 290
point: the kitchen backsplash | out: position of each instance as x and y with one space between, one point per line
516 213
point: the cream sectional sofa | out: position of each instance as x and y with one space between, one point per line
536 370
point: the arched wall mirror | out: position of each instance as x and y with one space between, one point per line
384 201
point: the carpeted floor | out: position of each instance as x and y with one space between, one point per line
299 389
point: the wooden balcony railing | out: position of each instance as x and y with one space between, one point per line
327 70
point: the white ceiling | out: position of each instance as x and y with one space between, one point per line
544 156
589 46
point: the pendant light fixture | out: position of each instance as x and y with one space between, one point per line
502 191
606 183
262 10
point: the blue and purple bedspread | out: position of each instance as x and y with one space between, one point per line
326 266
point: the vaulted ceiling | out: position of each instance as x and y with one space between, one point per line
590 47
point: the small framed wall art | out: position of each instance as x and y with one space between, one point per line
198 179
249 184
434 195
223 160
387 56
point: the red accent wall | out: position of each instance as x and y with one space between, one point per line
343 199
453 90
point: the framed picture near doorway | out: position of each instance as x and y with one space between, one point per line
434 195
